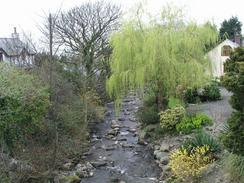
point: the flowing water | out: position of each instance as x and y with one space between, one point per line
115 151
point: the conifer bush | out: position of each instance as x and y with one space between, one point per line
233 80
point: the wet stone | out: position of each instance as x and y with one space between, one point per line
128 145
164 160
122 139
132 119
164 148
127 113
132 130
108 113
98 164
124 133
113 132
121 119
110 148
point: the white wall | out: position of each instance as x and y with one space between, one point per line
18 61
217 61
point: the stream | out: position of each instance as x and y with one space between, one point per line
115 151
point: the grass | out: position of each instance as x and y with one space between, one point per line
234 166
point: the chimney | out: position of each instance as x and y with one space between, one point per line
15 34
237 39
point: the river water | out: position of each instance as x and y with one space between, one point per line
115 150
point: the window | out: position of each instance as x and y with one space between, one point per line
225 50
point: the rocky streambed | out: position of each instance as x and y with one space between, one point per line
116 155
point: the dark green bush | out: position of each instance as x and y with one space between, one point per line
201 139
233 137
189 123
191 96
148 113
211 92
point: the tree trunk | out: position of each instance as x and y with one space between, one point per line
161 99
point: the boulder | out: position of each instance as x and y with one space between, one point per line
159 154
121 119
164 160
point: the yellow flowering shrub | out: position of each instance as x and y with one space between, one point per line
188 165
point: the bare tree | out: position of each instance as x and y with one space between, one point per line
49 38
85 30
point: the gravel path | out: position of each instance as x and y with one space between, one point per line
219 111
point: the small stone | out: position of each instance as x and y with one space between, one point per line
108 113
124 133
132 119
121 181
156 147
122 139
67 166
113 132
133 130
127 113
128 145
97 164
159 154
166 168
164 160
114 124
109 148
164 148
141 142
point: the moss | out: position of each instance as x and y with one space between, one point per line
70 179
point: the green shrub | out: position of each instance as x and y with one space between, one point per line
201 139
234 165
24 101
210 92
191 96
193 122
171 117
148 113
233 137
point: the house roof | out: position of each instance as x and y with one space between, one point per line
225 42
14 46
229 42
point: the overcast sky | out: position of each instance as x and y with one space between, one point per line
26 14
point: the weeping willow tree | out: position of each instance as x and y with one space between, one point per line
169 53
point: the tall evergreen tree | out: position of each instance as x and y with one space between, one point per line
230 28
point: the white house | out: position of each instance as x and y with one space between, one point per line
14 51
219 55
